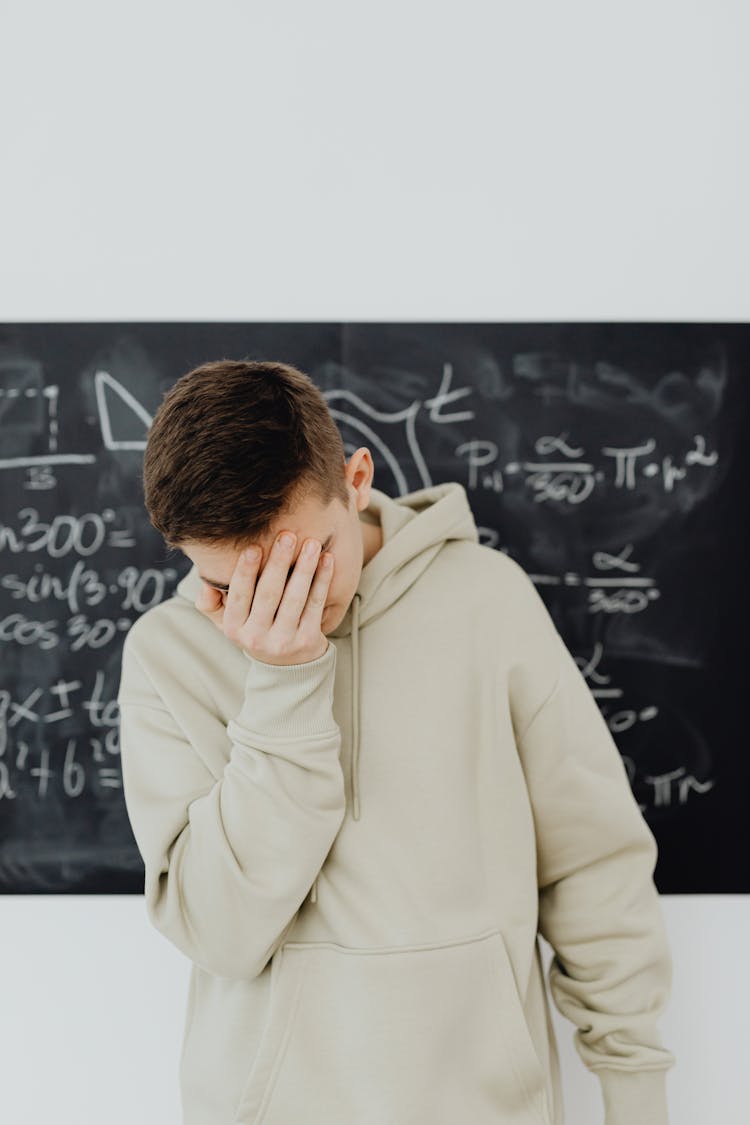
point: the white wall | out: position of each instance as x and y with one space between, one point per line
338 161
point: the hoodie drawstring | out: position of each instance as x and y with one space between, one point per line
355 707
355 803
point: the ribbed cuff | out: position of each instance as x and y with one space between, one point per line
288 699
634 1097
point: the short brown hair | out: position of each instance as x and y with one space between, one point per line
232 445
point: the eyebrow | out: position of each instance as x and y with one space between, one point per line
225 589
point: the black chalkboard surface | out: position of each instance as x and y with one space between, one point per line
609 460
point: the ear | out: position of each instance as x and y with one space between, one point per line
360 472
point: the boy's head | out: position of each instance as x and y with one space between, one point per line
240 450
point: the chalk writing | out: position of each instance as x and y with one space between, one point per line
574 481
61 703
63 535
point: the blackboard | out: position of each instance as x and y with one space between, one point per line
609 460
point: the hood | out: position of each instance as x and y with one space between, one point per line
415 527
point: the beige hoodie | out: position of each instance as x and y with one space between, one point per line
356 853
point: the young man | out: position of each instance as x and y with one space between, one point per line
361 791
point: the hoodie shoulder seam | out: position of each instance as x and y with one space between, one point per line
548 698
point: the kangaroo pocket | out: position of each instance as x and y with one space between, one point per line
396 1036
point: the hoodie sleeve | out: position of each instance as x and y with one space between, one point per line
599 908
228 862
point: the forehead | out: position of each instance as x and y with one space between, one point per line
309 517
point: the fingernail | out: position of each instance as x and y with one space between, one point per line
251 554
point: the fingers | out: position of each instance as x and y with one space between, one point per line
305 594
313 612
269 587
242 591
295 593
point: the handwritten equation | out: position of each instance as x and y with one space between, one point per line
81 587
93 756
